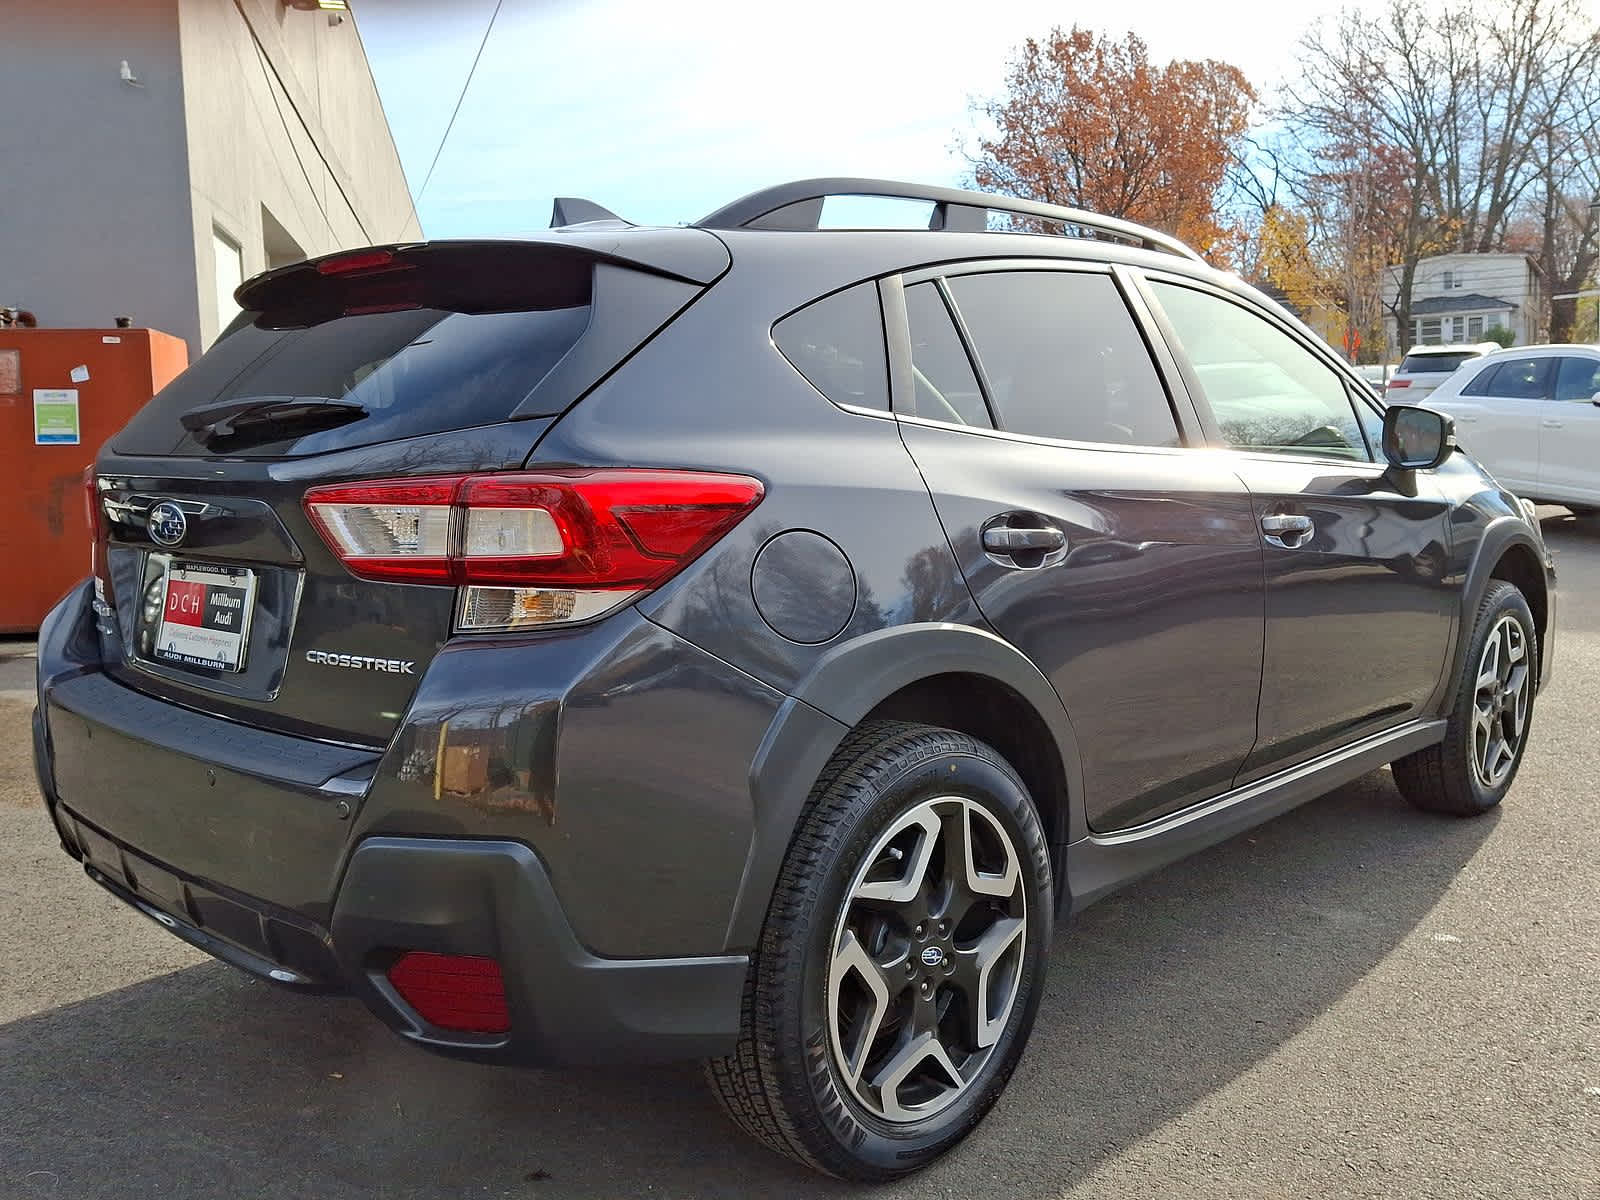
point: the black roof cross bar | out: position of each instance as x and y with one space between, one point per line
798 205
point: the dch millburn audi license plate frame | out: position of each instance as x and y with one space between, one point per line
205 616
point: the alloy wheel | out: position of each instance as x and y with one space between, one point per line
926 959
1500 702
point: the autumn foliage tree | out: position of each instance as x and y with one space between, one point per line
1090 122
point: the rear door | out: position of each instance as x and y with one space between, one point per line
1124 565
1500 414
1569 443
1359 601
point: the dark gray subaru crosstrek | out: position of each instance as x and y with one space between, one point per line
745 641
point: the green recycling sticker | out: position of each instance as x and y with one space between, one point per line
55 416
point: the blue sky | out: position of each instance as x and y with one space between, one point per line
664 112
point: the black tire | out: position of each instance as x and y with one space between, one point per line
785 1085
1446 777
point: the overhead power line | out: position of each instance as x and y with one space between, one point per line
452 124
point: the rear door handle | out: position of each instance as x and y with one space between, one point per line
1030 544
1289 532
1003 539
1548 424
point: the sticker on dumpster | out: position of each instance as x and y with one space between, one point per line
55 416
10 372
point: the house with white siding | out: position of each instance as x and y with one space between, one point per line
1459 297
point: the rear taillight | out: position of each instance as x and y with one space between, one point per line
460 992
531 548
1399 383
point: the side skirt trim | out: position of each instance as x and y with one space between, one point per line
1100 863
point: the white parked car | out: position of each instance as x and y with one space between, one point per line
1426 367
1531 415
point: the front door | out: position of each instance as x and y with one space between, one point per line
1359 590
1125 566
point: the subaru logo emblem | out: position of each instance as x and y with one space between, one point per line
932 956
166 523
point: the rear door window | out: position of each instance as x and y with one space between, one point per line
941 373
1063 358
837 344
1481 382
1522 379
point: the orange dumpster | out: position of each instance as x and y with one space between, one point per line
63 392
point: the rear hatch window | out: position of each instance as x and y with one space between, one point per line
399 347
1424 364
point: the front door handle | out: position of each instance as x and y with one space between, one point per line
1289 532
1551 424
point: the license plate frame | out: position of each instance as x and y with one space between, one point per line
193 629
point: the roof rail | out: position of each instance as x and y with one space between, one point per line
798 205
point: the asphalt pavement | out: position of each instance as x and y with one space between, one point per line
1356 1000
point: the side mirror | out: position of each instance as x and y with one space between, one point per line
1595 399
1415 439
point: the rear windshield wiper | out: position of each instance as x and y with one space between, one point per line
224 418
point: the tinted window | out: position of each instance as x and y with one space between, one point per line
1579 379
941 372
416 371
1522 379
837 343
1063 358
1481 382
1425 363
1266 390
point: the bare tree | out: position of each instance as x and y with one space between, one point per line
1485 110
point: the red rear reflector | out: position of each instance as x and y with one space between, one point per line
459 992
1394 383
361 261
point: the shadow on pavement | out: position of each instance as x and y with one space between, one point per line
205 1083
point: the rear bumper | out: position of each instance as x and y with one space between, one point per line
310 865
491 899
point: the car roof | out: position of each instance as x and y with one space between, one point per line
1542 348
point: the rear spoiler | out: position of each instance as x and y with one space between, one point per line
558 260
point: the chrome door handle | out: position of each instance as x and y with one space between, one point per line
1002 539
1465 420
1551 424
1029 545
1285 531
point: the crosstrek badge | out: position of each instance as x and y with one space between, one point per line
362 662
